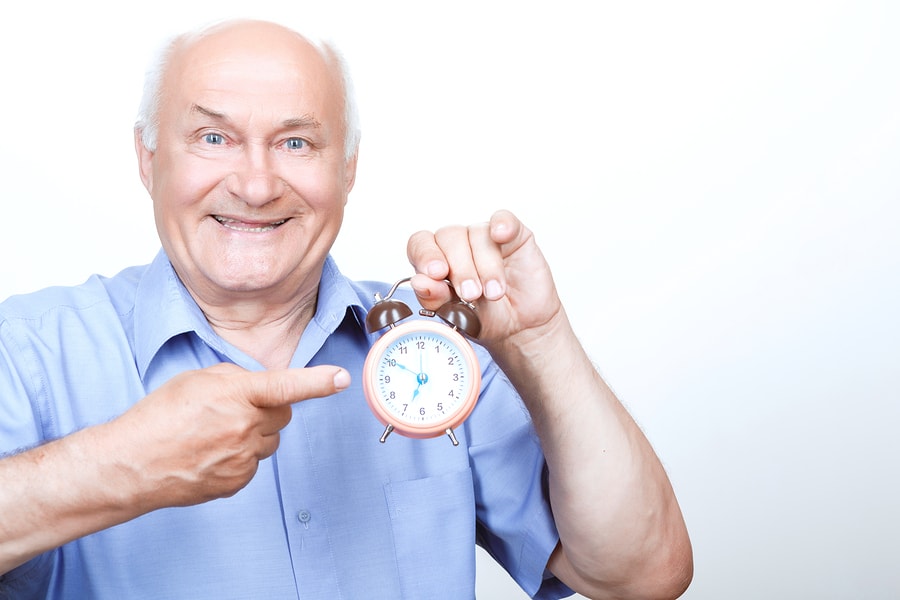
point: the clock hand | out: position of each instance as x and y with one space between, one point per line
422 378
405 368
418 374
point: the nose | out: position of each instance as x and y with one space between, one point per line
254 178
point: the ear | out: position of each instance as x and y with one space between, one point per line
350 171
145 160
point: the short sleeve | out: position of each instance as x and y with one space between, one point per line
20 414
30 581
515 523
20 429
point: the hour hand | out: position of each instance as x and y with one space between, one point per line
405 368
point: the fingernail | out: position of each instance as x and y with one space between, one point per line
341 380
421 292
493 289
468 290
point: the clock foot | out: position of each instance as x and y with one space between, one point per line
387 432
452 436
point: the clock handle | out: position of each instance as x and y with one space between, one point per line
457 313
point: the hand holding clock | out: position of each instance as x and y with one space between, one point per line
495 265
604 477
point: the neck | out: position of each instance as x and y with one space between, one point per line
268 333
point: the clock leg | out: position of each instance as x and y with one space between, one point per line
387 432
452 435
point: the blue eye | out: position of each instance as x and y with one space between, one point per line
214 138
295 143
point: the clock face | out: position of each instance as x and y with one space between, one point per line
422 378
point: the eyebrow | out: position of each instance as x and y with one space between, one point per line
304 122
196 108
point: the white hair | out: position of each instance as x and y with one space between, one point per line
147 122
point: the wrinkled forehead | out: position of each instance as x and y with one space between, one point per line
241 60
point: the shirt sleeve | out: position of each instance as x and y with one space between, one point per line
515 523
20 418
20 429
28 581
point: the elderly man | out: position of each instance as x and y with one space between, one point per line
140 415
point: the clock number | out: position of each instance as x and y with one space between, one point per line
440 406
392 362
450 360
420 345
422 411
403 350
387 378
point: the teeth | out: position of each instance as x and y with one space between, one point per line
233 224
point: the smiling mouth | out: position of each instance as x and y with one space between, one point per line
236 225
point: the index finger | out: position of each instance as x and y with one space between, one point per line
426 257
431 268
266 389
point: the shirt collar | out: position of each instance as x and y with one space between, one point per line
165 309
337 297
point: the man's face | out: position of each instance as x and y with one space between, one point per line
249 178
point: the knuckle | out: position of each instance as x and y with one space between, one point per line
419 240
450 233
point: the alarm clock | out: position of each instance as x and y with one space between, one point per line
421 378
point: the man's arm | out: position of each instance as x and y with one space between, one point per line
198 437
622 534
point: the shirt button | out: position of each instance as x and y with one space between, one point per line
304 516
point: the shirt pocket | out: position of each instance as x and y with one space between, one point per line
433 523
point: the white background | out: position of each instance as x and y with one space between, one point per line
716 185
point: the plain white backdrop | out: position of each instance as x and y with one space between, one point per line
717 186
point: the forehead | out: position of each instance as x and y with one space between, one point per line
254 69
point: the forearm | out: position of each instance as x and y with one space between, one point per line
621 530
198 437
61 491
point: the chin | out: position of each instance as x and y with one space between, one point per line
249 280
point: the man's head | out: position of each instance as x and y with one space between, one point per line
148 111
247 145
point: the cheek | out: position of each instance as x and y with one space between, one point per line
322 189
183 179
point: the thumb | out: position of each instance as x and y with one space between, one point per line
285 386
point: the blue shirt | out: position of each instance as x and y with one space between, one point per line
333 513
